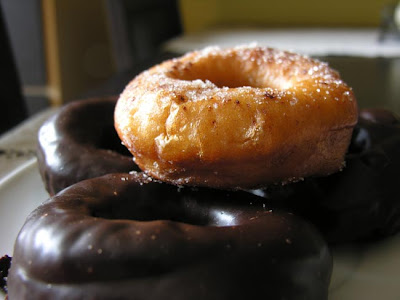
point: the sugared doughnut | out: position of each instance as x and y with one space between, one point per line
361 202
125 236
237 118
80 142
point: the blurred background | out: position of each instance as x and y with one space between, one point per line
56 51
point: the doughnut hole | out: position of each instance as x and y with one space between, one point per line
127 209
234 72
160 201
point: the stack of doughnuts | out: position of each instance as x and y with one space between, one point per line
239 161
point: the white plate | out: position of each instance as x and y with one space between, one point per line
360 273
20 192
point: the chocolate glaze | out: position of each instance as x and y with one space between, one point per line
361 202
80 142
124 236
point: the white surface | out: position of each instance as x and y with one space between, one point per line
20 192
18 145
318 42
360 273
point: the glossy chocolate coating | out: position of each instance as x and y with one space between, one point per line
124 236
361 202
80 142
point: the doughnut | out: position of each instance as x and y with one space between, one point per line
80 142
360 203
127 236
211 116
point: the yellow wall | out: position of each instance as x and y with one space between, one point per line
202 14
77 45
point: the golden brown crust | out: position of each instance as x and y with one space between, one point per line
237 118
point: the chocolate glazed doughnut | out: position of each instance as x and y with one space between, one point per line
124 236
80 142
361 202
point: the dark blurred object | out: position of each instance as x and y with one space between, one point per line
390 23
13 106
139 27
116 84
23 19
375 80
